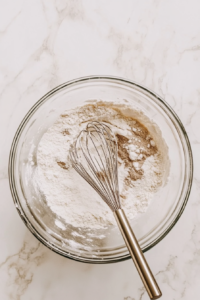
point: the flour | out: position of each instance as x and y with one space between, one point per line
142 161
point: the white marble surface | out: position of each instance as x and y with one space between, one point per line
44 43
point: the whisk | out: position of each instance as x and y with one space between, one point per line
94 156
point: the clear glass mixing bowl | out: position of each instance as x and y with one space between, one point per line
105 245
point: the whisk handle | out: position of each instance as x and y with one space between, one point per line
137 255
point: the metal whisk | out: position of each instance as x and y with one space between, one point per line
94 157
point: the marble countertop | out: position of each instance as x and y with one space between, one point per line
44 43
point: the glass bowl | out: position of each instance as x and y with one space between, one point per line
103 245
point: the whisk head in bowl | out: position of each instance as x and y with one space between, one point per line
94 156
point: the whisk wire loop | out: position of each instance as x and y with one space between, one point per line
94 157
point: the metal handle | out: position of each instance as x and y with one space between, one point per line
137 255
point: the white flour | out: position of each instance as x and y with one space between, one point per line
142 165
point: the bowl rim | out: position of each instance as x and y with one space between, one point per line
14 144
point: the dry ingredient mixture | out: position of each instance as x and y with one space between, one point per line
142 165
